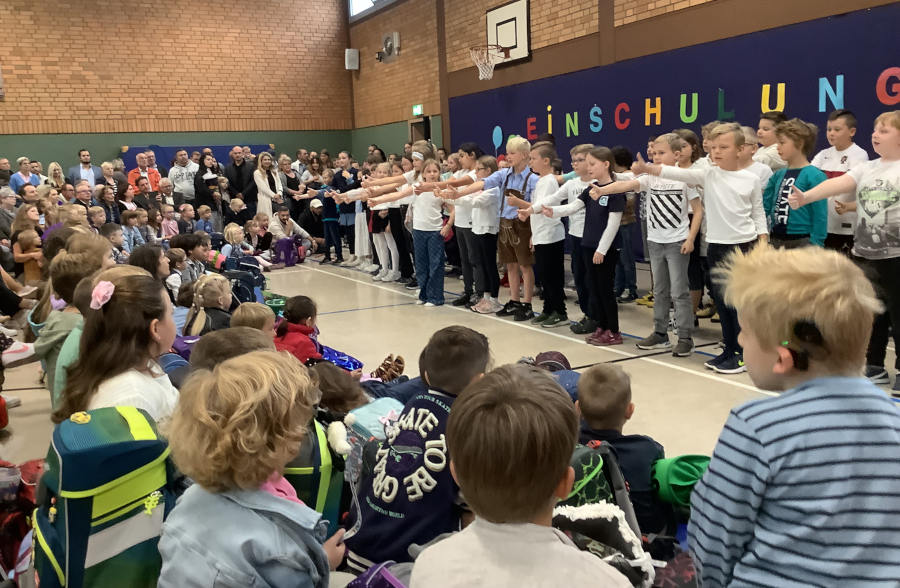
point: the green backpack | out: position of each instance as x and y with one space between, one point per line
102 500
317 475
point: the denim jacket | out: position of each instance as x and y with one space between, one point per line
242 538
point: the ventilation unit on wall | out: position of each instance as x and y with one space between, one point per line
351 59
390 47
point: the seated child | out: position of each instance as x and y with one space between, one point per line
802 486
236 247
169 224
412 498
256 316
184 300
113 233
241 524
510 438
216 347
297 331
343 394
204 219
186 221
30 243
209 311
177 264
66 271
96 218
237 212
604 403
130 233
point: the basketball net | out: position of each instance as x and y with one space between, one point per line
486 57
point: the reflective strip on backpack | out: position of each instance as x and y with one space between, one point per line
48 553
324 469
115 539
585 480
137 423
124 489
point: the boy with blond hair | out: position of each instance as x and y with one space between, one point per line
802 487
511 437
735 219
604 403
876 247
256 316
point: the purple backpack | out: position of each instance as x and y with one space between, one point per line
286 252
378 576
183 345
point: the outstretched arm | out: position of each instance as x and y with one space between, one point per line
832 187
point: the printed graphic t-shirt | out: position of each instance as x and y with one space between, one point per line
878 209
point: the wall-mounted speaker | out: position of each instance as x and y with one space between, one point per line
351 59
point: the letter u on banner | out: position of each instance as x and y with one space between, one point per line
764 102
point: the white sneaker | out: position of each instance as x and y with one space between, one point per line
350 262
11 401
371 267
420 302
18 353
430 304
392 276
8 332
380 277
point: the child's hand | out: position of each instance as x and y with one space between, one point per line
687 247
445 230
844 207
517 202
451 193
346 174
796 198
598 191
524 213
598 258
376 202
640 166
356 374
547 211
424 187
383 213
335 549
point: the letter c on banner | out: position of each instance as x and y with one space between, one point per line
621 124
887 88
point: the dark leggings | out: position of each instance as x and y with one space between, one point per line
395 221
602 286
716 255
549 260
486 251
885 276
333 238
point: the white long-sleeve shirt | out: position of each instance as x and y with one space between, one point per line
733 202
485 210
569 192
463 215
545 231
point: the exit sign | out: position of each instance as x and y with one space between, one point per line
417 110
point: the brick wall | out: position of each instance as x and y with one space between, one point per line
551 22
628 11
385 92
180 65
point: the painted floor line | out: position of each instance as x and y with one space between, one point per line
683 369
367 308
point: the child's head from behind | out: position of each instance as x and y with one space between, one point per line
841 128
212 291
529 425
217 346
256 316
803 313
604 397
68 269
340 391
129 324
29 240
112 232
298 310
236 205
243 421
453 358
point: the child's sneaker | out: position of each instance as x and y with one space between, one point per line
539 319
555 320
684 348
596 337
707 311
462 300
646 300
627 296
608 338
734 364
509 308
17 353
524 312
350 262
584 326
484 306
712 363
877 374
654 341
412 285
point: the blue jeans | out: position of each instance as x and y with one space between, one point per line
626 273
429 258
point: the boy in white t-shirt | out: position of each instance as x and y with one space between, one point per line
670 241
836 161
876 247
746 161
768 154
512 492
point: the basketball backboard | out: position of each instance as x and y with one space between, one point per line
508 26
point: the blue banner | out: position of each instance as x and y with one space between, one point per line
807 70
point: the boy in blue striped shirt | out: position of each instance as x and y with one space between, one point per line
804 487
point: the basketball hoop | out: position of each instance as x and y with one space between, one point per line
486 57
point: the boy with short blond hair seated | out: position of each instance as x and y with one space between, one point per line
802 487
604 402
510 437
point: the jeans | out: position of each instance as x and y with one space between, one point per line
626 273
486 252
716 254
579 273
670 274
333 238
602 277
429 253
464 242
549 260
885 277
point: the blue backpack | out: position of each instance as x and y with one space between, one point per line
102 501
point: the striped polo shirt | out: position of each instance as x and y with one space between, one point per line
803 490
